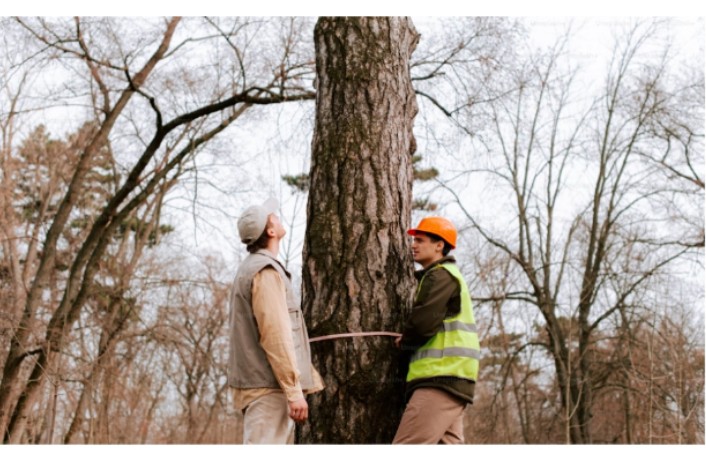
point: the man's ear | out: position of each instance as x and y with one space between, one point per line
440 246
269 227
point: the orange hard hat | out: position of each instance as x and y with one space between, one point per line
438 226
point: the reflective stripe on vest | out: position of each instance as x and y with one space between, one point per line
454 350
448 351
455 326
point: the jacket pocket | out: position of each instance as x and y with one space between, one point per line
295 318
296 323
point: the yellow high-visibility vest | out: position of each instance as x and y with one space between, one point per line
454 350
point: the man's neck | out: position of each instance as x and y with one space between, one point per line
273 247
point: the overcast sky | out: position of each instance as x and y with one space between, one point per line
284 145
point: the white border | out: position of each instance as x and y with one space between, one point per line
516 8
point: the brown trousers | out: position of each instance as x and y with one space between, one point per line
432 416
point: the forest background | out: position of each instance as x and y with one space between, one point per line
569 152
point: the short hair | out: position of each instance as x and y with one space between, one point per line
436 238
259 243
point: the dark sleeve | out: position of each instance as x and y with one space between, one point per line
436 297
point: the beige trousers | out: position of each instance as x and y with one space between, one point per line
432 416
266 421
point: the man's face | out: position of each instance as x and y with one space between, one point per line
274 224
424 251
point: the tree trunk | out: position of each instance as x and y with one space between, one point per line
357 273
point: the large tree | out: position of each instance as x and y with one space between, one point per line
357 273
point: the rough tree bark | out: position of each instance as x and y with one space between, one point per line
357 273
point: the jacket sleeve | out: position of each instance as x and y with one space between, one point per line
269 304
436 298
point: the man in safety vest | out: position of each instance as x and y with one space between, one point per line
441 335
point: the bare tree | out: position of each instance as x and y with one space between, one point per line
192 330
578 273
115 307
121 79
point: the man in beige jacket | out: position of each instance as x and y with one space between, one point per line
269 363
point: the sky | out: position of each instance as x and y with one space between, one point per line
216 230
548 18
285 154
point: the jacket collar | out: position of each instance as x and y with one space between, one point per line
446 259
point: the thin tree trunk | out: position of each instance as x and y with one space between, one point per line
357 273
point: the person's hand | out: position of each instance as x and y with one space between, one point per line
398 341
299 410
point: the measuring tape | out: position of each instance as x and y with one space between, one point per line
349 335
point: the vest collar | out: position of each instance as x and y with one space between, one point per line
267 253
273 257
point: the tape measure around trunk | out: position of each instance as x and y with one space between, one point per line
351 335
